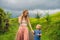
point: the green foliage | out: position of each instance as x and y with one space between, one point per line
38 16
50 32
48 18
8 15
3 17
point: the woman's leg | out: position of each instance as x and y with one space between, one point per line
19 34
26 34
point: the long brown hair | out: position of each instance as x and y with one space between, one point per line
24 16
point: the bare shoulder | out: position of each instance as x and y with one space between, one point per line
19 17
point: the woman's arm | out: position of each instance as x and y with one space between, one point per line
19 19
30 25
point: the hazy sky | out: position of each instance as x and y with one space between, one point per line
18 5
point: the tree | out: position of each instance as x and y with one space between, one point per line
8 16
2 18
38 16
48 21
47 18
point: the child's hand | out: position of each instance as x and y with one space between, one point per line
38 34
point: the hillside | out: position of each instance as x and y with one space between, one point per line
50 31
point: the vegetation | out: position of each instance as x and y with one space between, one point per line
50 27
4 20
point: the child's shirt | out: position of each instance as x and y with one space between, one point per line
36 36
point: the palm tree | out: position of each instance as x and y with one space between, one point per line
2 18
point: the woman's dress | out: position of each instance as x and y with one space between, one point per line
23 33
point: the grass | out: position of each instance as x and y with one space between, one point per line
51 32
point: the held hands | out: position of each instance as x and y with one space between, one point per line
39 34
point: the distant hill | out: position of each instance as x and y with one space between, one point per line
50 31
30 14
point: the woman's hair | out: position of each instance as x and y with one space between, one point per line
23 15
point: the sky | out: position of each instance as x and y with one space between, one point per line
16 6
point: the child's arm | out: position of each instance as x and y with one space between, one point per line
40 34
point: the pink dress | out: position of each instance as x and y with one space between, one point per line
23 33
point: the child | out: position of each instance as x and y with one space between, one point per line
37 32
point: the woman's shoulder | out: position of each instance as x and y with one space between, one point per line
19 16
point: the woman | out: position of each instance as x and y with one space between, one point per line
23 33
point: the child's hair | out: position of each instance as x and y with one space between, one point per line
38 26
